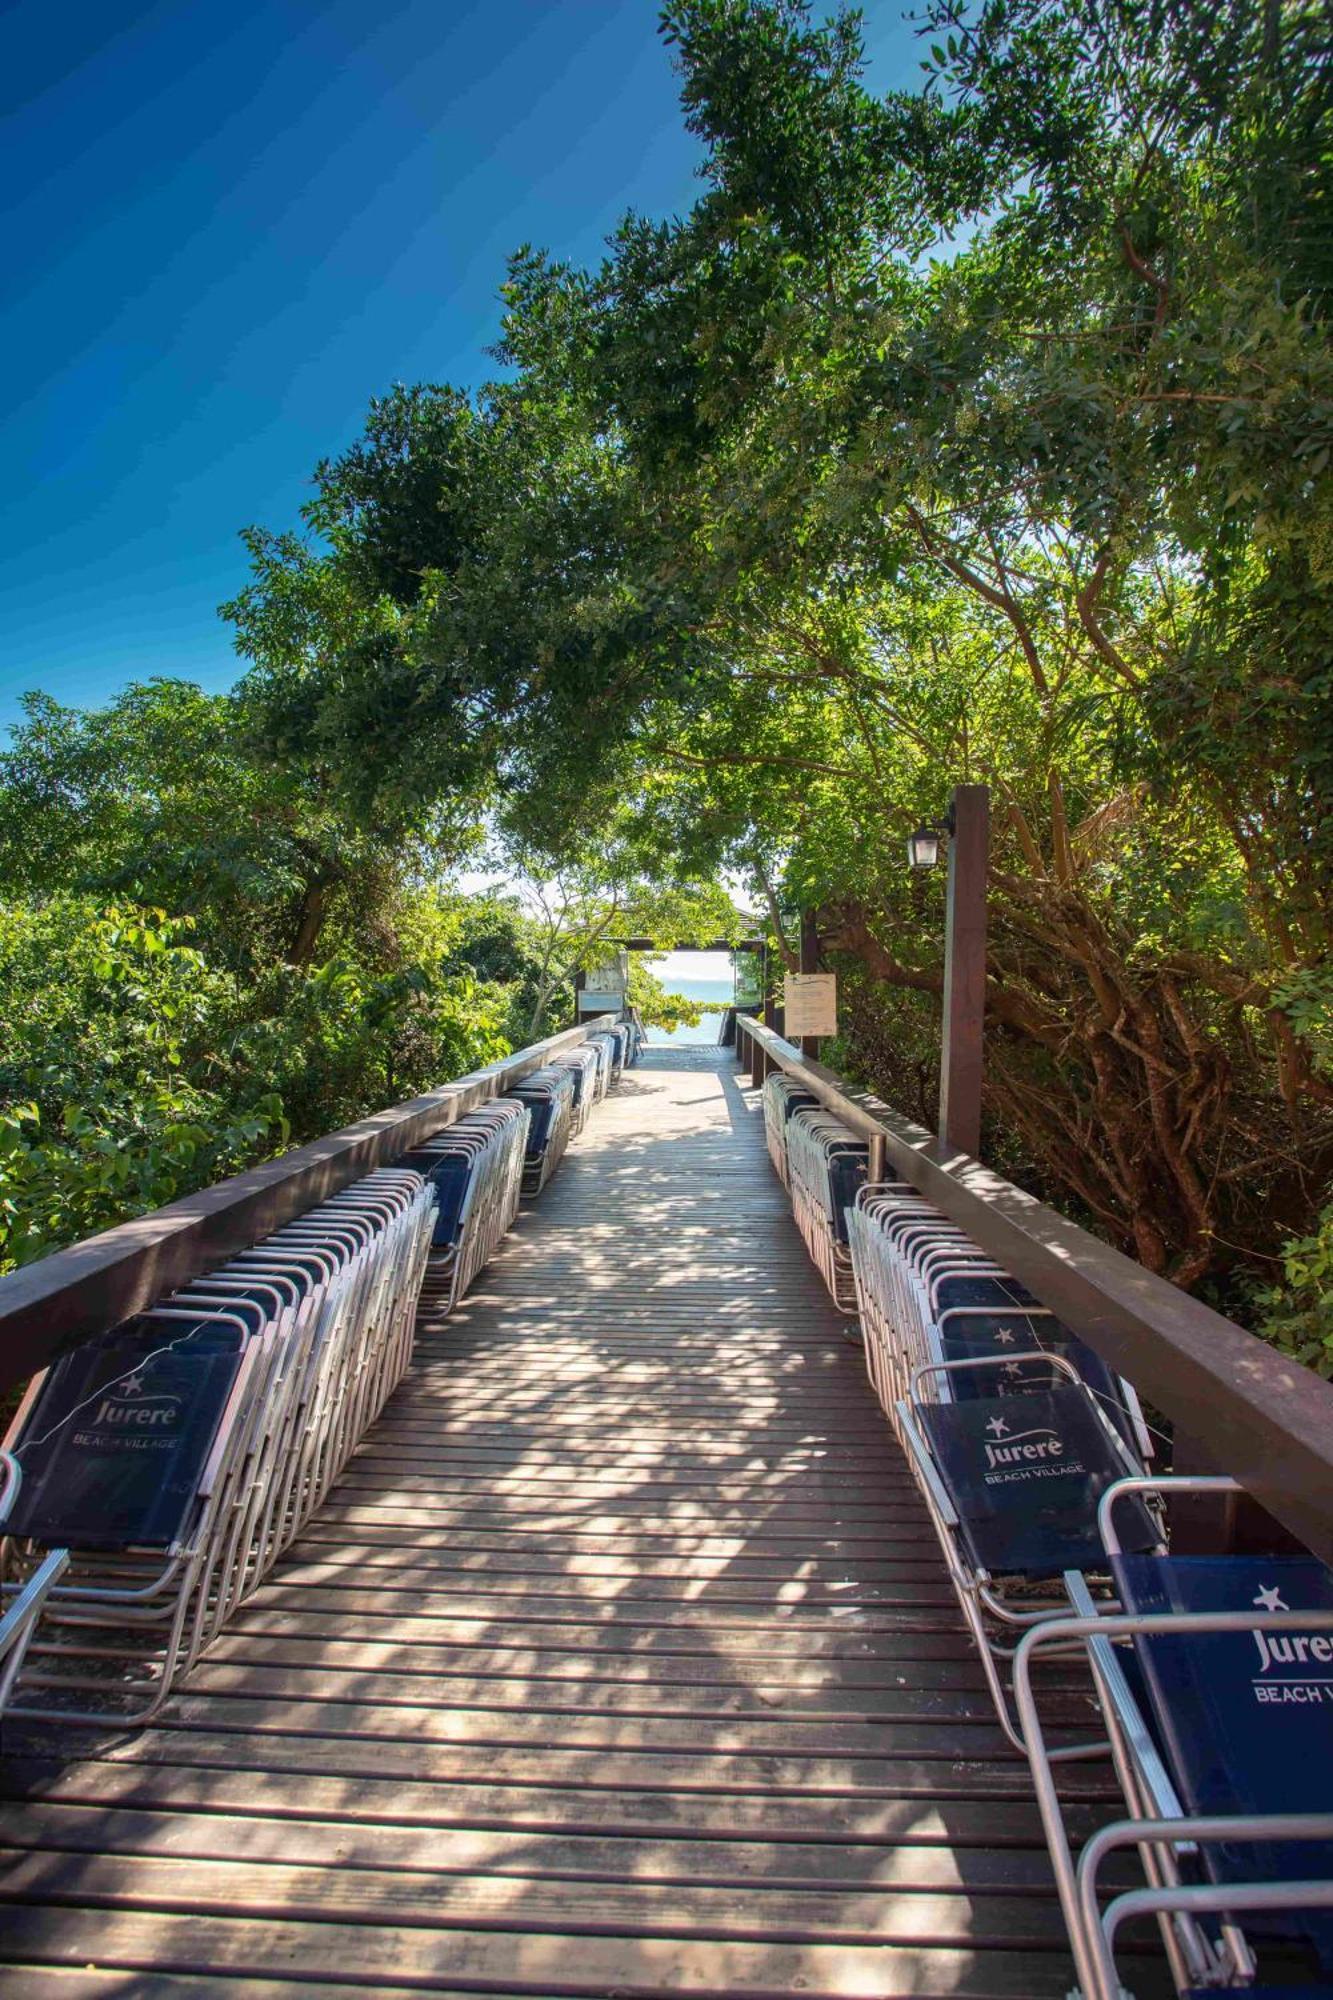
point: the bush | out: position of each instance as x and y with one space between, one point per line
1297 1316
135 1071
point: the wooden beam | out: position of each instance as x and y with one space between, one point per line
1262 1417
810 1044
717 944
965 971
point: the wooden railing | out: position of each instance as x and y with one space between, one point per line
75 1294
1259 1416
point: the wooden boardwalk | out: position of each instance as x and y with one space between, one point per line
621 1661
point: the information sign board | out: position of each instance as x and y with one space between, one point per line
810 1004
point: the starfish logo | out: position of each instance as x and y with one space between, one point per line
1005 1336
1029 1452
129 1403
1269 1598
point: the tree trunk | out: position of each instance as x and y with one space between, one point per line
310 922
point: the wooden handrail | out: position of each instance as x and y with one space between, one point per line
1264 1418
75 1294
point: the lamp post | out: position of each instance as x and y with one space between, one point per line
967 831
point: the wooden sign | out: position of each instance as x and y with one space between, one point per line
810 1004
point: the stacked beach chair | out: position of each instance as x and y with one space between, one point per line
1012 1426
592 1072
782 1096
1213 1676
491 1159
151 1477
475 1167
926 1294
826 1164
624 1042
548 1095
174 1458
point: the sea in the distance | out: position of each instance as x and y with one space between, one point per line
713 992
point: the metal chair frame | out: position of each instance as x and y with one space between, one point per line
1157 1825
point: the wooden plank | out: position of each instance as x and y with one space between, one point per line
651 1604
533 1555
788 1740
342 1891
722 1777
670 1676
500 1696
190 1942
776 1639
911 1867
921 1659
782 1519
94 1982
377 1566
777 1821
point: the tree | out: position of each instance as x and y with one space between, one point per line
116 1093
981 431
168 797
1077 485
601 896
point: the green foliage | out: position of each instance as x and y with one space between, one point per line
1297 1316
134 1070
605 892
170 797
115 1090
977 432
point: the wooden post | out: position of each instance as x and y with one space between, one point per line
772 1008
964 971
810 1044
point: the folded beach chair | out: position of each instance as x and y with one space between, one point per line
782 1096
602 1050
585 1064
616 1041
927 1293
548 1095
827 1164
1012 1484
476 1169
1215 1675
129 1447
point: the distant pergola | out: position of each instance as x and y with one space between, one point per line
718 944
770 1006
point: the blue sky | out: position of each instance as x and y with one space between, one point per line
228 225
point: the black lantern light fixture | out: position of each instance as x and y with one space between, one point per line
923 846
